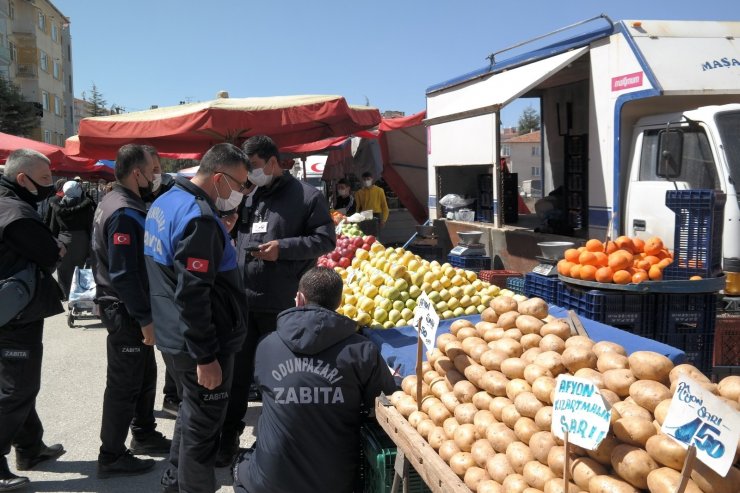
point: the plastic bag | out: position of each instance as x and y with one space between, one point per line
453 200
83 285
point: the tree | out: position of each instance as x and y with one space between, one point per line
96 105
17 116
528 121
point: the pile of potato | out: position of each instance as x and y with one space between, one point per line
487 408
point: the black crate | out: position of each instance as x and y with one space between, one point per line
470 262
633 312
539 286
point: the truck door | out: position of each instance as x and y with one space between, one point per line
666 159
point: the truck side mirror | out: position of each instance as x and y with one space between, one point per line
670 152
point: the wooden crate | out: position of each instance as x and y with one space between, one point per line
433 470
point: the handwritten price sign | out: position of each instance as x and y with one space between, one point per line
425 313
697 417
580 410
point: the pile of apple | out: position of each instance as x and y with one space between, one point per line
352 230
381 286
345 251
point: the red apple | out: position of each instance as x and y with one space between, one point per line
344 262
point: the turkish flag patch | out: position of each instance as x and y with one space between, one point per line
121 239
197 264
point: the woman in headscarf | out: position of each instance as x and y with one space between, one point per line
71 222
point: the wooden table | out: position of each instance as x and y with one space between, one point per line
433 470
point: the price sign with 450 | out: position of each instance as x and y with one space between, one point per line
699 418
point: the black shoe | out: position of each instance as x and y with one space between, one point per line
227 450
125 465
171 407
25 463
151 444
254 394
13 482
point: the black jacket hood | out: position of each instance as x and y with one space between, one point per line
311 329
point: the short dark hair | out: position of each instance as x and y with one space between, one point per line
59 184
129 157
263 146
151 150
367 174
343 181
322 286
222 155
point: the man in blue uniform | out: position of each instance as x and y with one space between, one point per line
197 298
122 286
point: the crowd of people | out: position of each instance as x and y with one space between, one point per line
219 273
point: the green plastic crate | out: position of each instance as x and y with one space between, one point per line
379 458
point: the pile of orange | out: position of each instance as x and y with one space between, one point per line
622 261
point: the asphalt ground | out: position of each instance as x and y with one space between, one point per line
70 404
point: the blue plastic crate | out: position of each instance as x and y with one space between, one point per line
687 322
515 284
470 262
697 240
547 288
633 312
485 215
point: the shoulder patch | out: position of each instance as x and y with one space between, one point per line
121 239
197 264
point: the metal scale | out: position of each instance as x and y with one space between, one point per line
552 252
469 245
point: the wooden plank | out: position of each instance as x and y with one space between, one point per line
433 470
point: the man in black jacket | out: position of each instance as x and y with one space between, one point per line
24 238
318 379
122 293
197 295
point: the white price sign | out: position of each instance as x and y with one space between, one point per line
580 410
697 417
425 313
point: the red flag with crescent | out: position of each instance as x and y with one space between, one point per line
197 264
121 239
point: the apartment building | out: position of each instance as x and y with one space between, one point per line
39 50
523 155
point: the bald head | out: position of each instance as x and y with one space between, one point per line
25 161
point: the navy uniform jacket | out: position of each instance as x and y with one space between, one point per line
196 290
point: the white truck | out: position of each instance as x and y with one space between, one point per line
629 110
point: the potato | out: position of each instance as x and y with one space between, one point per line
500 436
474 373
425 427
406 405
464 436
581 341
634 431
689 370
428 401
551 361
494 334
649 393
516 387
465 413
666 480
430 375
711 482
527 404
610 397
529 324
513 368
537 474
482 400
396 396
503 304
576 357
470 342
612 361
532 490
450 425
532 372
439 413
490 486
543 387
632 464
408 384
461 462
454 348
729 387
603 453
552 342
540 443
417 417
477 351
661 410
443 364
556 460
556 486
524 428
440 386
459 324
543 418
450 401
464 391
606 347
497 406
629 410
507 320
666 451
529 341
482 451
558 328
494 382
529 355
453 376
619 381
448 449
482 420
433 355
492 359
592 375
648 365
437 437
425 367
509 415
709 386
444 339
514 333
518 455
514 483
474 476
498 467
461 362
608 484
508 345
489 315
583 469
535 307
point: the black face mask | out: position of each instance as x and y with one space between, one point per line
146 193
42 191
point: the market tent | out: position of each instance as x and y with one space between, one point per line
195 127
10 143
72 149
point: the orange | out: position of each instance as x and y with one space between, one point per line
662 264
652 259
695 278
611 247
653 246
643 265
655 273
594 246
564 267
664 254
575 271
587 258
602 259
639 276
620 260
604 274
581 249
622 277
588 272
639 244
571 255
625 243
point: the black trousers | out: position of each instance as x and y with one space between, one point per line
21 352
130 385
172 389
259 325
78 249
240 471
196 438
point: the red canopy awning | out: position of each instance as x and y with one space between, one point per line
195 127
10 143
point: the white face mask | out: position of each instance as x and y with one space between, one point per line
230 203
368 183
156 182
259 178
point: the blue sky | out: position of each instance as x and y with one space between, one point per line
141 53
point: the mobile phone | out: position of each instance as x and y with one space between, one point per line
253 248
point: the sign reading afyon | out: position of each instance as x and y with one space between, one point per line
580 410
425 312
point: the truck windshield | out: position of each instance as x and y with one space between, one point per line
695 163
729 130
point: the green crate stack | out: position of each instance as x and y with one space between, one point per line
379 453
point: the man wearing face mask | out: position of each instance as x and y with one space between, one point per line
281 233
344 202
123 296
197 297
371 198
162 181
25 239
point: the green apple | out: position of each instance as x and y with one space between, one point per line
394 315
441 306
465 301
444 294
459 311
453 303
405 296
411 304
434 297
399 305
414 292
385 304
471 310
380 315
407 313
447 314
388 324
401 284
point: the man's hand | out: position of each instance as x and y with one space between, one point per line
230 221
268 251
62 249
209 375
148 332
